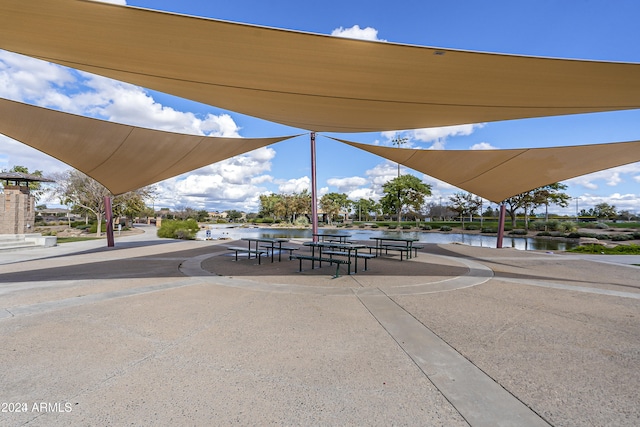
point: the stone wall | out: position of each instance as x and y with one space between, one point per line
17 211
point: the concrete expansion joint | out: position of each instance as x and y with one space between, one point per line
5 313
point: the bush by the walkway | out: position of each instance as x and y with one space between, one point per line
599 249
185 230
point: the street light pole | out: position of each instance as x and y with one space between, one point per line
399 141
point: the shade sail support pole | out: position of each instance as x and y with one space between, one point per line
314 194
503 211
108 213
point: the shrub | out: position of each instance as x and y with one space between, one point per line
544 234
621 237
375 226
391 227
600 226
539 225
406 227
518 232
489 230
445 228
174 229
567 226
264 220
425 227
302 221
599 249
471 227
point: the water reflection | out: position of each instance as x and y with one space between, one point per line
488 241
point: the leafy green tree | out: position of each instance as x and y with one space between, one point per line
364 208
604 211
233 215
202 215
551 194
301 204
85 194
131 204
464 204
332 203
531 199
267 202
285 207
406 190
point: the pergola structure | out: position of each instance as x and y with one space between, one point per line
17 205
326 84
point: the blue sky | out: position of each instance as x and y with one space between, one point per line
582 29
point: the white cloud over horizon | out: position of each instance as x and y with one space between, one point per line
48 85
120 2
355 32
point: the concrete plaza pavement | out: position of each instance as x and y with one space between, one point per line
159 332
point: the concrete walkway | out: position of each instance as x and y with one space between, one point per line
157 332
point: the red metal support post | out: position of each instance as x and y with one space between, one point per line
503 212
314 194
108 213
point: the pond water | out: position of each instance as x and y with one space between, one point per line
488 241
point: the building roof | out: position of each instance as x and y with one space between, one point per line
23 177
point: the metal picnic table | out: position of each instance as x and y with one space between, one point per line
270 241
408 244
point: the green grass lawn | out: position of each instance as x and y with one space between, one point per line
75 239
599 249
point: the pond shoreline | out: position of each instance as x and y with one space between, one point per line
455 231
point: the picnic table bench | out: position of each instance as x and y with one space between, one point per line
266 242
257 252
314 258
281 248
394 244
366 257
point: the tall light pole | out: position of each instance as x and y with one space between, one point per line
399 141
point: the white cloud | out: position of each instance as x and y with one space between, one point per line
296 185
611 177
14 153
121 2
629 202
437 136
381 174
356 32
363 193
345 185
482 146
234 183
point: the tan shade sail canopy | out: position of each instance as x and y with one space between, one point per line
120 157
499 174
308 81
